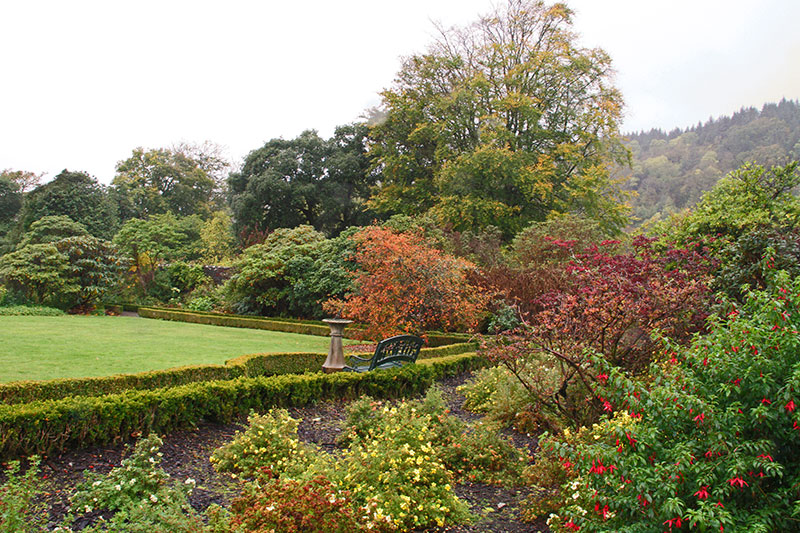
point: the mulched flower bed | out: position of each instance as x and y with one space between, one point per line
186 455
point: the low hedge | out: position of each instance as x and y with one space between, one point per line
288 325
46 427
251 365
235 321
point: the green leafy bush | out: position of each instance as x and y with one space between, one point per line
20 511
709 444
496 393
30 310
270 441
140 494
292 272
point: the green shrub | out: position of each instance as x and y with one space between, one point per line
30 310
496 393
396 465
270 441
20 509
140 494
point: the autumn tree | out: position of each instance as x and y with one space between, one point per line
25 179
403 285
501 123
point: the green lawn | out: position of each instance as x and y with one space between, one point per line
37 348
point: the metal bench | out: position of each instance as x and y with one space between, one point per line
390 353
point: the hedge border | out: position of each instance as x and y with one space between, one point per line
46 427
305 327
250 365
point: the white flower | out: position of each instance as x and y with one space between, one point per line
87 509
190 481
118 487
153 498
96 483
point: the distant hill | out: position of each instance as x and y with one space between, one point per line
672 170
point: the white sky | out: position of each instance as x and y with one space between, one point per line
85 82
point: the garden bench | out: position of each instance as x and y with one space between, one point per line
390 353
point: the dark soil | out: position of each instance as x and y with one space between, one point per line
186 455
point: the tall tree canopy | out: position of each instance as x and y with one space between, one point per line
178 181
76 195
306 180
501 123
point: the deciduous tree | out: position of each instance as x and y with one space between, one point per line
503 122
403 285
76 195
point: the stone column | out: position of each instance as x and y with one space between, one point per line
335 360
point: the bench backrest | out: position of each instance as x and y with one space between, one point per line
396 350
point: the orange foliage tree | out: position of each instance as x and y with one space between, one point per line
402 285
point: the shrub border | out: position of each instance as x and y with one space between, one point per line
45 427
250 365
288 325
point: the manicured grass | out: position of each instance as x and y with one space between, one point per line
37 348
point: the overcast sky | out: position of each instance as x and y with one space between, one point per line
86 82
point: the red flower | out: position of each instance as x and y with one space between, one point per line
606 405
766 456
699 418
790 406
766 401
572 525
702 493
737 481
674 521
602 378
601 511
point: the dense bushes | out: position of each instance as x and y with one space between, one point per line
708 444
613 301
291 273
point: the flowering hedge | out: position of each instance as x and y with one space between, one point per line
708 445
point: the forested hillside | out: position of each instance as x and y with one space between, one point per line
671 170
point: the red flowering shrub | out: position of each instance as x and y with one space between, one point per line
610 305
403 285
711 445
291 506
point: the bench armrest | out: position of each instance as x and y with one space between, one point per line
359 359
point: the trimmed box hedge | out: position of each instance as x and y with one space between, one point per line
46 427
251 365
288 325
